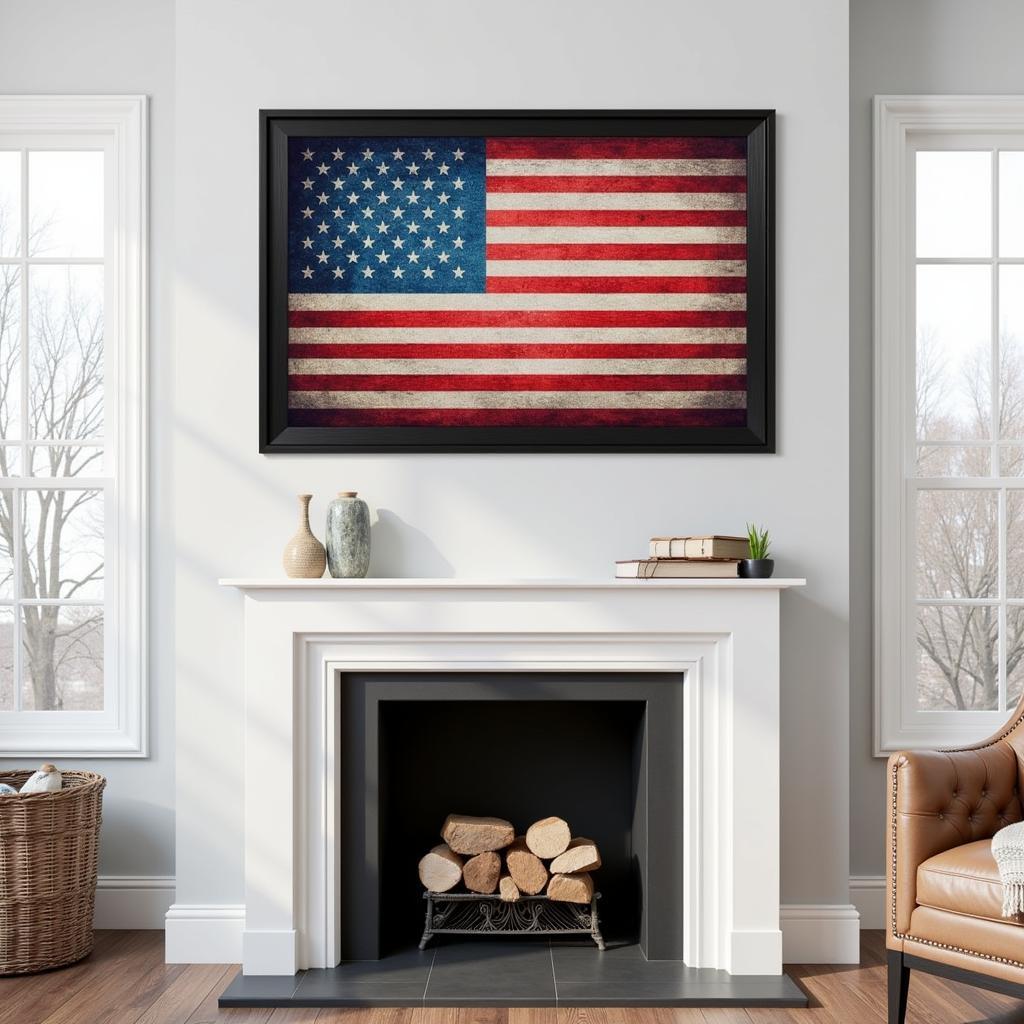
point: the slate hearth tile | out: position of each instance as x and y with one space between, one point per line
492 973
622 964
260 990
397 980
774 991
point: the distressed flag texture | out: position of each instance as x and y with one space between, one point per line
541 281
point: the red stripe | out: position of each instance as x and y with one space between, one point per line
635 148
518 318
517 417
502 350
516 382
613 251
616 218
605 285
615 183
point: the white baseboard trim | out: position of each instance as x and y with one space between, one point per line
133 901
204 933
867 894
816 933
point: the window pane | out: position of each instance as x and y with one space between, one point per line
64 460
7 500
954 204
6 659
1011 352
1014 543
1014 654
64 544
953 460
958 658
957 544
65 198
10 203
1011 460
66 352
10 352
1011 204
63 655
954 352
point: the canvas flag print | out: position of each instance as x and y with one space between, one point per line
463 286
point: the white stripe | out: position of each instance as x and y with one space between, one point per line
623 235
517 366
616 268
476 301
517 399
518 335
617 167
616 201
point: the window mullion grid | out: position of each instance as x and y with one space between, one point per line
17 495
995 453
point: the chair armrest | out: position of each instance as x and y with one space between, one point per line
938 800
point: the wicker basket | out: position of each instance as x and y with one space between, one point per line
48 850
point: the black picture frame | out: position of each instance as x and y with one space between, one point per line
277 436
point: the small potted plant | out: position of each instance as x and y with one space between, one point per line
758 566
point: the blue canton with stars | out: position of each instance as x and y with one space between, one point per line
386 214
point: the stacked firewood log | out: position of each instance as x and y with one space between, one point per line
486 856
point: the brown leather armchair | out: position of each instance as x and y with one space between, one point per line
944 897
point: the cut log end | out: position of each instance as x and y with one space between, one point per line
481 873
469 835
526 868
548 837
441 869
582 855
576 888
507 889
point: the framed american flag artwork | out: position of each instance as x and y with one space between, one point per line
516 281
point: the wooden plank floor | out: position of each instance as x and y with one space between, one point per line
125 981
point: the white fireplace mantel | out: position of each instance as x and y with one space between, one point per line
302 636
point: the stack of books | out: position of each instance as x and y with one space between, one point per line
675 558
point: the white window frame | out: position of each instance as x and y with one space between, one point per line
118 126
904 124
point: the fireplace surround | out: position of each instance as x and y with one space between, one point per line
304 639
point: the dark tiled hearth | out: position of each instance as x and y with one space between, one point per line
509 973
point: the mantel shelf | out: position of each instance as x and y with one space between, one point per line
448 583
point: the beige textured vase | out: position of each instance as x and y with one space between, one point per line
304 556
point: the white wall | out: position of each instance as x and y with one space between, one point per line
506 515
914 46
109 46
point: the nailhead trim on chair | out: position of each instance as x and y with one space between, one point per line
897 934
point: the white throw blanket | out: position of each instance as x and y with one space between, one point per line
1008 850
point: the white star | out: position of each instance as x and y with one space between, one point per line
443 257
428 213
307 272
338 154
367 212
353 227
383 197
339 271
458 271
353 257
323 227
307 213
413 257
307 242
398 272
413 197
398 242
382 257
397 183
338 243
458 153
322 198
458 183
398 153
413 168
368 242
339 183
428 272
458 211
338 212
323 168
353 168
443 227
443 168
428 154
428 183
367 154
443 198
352 198
382 168
367 271
413 228
428 243
323 257
397 212
307 154
458 243
367 183
307 183
382 228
